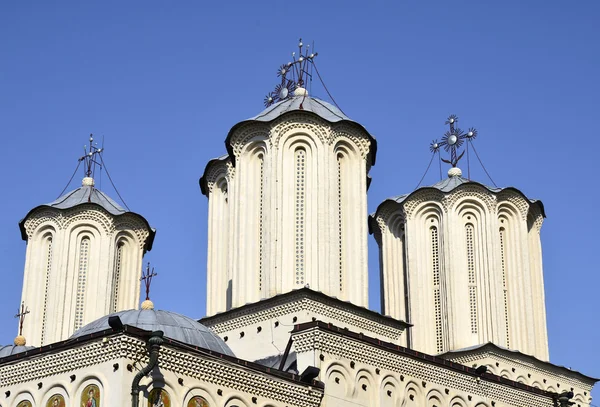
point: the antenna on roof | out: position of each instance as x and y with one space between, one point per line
293 76
20 339
89 157
147 279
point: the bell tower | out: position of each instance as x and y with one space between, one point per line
83 260
288 203
462 261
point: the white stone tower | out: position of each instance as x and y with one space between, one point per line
83 261
462 262
288 206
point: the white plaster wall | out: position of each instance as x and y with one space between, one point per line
514 265
262 212
104 231
541 376
261 334
360 374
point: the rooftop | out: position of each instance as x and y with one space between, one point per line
175 326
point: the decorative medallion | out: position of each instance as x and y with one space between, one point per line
90 397
197 401
24 403
56 401
159 398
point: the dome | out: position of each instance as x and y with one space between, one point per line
175 326
324 110
9 350
87 194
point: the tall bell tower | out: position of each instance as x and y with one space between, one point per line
83 260
462 261
288 203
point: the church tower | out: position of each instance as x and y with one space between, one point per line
462 262
83 260
288 203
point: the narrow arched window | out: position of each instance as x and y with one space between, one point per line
437 301
47 270
261 223
299 210
472 278
82 274
504 282
119 264
340 193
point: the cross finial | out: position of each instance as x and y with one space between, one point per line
293 75
21 315
147 279
89 157
452 140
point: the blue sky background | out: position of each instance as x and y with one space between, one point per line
164 82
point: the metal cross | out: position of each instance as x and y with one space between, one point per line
147 279
21 315
452 140
298 68
89 157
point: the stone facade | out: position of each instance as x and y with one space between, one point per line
465 267
111 359
288 209
261 330
81 263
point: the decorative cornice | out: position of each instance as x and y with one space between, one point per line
306 299
370 352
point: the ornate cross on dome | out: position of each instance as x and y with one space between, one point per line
452 140
21 315
147 279
292 75
89 157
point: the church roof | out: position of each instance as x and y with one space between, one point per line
319 107
87 194
451 183
490 346
10 350
324 110
174 326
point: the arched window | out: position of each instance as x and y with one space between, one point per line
300 195
47 247
504 282
437 301
470 244
83 266
340 193
261 223
119 265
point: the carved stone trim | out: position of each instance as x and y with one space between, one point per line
290 306
369 357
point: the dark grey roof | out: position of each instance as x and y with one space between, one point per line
87 194
324 110
482 347
203 186
290 365
450 184
174 326
9 350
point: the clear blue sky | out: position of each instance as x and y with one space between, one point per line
163 82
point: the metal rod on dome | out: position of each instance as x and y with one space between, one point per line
452 140
147 279
21 315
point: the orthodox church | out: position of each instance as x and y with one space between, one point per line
462 319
